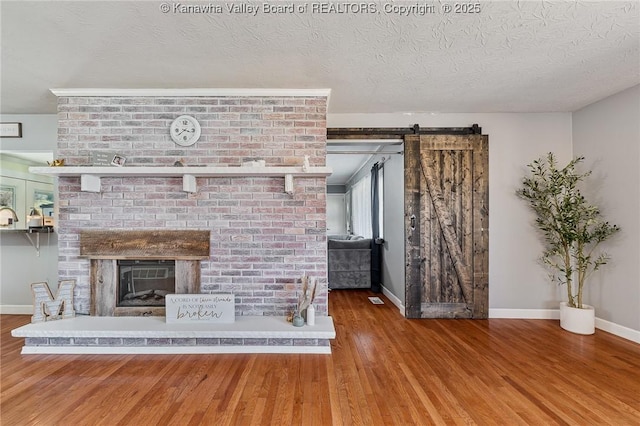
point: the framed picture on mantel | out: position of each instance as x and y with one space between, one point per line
10 130
107 159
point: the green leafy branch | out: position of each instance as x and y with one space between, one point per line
572 228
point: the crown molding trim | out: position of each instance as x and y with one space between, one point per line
90 92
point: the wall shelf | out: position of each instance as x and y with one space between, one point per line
29 234
90 176
37 231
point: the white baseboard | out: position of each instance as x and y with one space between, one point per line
618 330
524 313
609 327
16 309
393 299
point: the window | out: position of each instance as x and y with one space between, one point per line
361 207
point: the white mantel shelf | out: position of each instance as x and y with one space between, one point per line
90 176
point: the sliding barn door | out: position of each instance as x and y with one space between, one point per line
447 226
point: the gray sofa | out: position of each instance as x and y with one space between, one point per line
349 260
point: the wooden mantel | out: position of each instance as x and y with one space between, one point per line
90 176
145 244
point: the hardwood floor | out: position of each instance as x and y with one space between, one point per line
384 370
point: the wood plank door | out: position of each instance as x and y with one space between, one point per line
446 226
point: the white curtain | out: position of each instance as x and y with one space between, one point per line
361 207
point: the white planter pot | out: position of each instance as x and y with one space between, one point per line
579 321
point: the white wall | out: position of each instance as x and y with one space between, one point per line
39 133
516 280
607 133
19 264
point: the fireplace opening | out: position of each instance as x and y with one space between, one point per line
145 282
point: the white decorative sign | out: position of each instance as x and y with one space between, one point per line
10 130
46 307
220 308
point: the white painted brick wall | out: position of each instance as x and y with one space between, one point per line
262 240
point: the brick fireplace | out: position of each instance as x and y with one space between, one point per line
261 239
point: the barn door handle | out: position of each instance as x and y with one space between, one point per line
413 222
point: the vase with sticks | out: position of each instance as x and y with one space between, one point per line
305 300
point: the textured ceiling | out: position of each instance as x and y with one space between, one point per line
527 56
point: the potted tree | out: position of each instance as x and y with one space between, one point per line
572 229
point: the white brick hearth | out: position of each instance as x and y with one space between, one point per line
152 335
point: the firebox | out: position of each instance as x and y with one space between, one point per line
145 282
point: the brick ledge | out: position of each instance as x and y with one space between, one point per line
249 334
122 350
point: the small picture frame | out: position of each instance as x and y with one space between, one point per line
118 160
10 130
102 158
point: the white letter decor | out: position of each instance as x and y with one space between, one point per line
46 307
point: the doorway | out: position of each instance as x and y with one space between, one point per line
403 263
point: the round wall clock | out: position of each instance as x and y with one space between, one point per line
185 130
